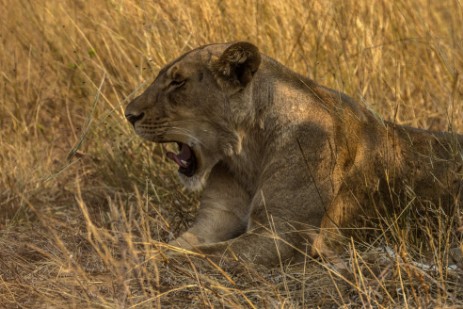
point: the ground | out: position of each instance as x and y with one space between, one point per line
86 206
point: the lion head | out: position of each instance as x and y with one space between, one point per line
199 101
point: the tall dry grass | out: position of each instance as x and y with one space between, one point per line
85 204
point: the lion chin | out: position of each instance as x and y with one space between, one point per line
195 182
283 163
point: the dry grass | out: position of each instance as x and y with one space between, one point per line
85 204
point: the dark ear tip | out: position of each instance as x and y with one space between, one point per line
243 45
243 48
238 63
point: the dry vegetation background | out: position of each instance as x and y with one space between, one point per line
85 204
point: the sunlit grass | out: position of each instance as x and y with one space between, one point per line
86 205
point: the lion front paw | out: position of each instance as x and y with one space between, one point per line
186 241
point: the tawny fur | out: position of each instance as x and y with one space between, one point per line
285 164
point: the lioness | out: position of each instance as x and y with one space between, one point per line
284 163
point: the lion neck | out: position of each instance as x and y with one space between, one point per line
274 107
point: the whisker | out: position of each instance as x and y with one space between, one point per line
167 127
187 133
172 122
171 130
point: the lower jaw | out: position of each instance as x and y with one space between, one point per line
193 183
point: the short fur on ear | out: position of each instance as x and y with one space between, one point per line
238 63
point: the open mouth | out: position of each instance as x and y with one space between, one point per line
185 159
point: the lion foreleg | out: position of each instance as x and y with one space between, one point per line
259 246
223 212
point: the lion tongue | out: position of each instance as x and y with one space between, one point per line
183 158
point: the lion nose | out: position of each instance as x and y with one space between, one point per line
132 118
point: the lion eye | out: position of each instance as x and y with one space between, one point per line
177 83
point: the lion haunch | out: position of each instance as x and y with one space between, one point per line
282 162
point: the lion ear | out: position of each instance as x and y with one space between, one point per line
238 63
